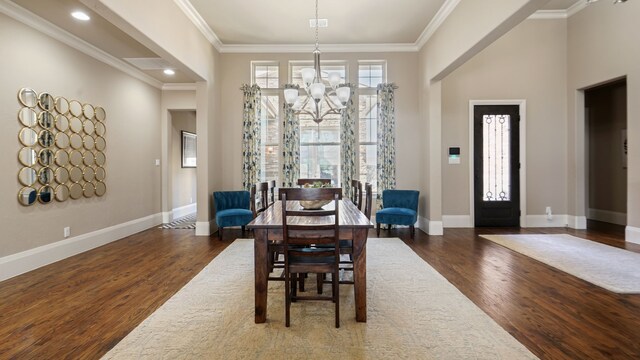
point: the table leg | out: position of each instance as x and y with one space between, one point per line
360 273
260 255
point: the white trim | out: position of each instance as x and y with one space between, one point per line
32 259
308 48
632 234
607 216
457 221
445 10
205 228
534 221
559 14
575 8
548 15
184 210
429 226
522 103
577 222
179 87
30 19
167 217
199 22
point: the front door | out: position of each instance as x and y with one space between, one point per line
496 165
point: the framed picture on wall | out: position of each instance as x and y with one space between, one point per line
188 149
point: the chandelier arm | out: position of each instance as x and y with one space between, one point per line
332 104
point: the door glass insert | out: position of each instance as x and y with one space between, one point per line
496 157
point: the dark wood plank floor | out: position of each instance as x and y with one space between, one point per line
82 306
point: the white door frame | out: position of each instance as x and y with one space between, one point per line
523 155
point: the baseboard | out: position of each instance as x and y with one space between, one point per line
457 221
429 226
577 222
608 216
184 210
632 234
32 259
542 221
205 228
167 217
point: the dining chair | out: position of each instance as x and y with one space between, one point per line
368 200
262 190
300 237
356 193
234 208
272 192
399 207
302 182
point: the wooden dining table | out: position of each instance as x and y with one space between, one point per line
267 226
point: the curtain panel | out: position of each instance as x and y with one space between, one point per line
386 168
290 145
348 145
251 135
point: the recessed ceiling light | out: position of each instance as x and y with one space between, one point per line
80 15
169 72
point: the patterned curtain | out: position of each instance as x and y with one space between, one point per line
250 135
386 169
290 145
348 144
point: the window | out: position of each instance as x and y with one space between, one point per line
370 74
266 75
319 143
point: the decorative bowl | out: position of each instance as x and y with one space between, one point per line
313 204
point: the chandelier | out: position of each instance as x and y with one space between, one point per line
336 96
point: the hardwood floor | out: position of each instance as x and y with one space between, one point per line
81 307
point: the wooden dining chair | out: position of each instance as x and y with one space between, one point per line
356 193
302 182
368 200
262 192
302 230
272 192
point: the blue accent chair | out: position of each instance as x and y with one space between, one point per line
399 207
233 208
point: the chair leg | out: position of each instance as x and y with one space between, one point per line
301 281
412 230
220 232
319 282
242 227
378 229
287 298
336 295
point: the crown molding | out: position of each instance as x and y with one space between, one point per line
548 15
179 87
197 19
575 8
30 19
445 10
559 14
328 48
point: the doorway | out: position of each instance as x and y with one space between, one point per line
182 167
606 154
496 165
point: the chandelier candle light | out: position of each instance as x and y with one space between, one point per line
336 96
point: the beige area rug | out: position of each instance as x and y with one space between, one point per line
612 268
413 313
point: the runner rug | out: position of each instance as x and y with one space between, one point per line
612 268
413 313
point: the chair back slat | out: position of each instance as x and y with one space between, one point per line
356 193
368 200
272 192
310 193
262 191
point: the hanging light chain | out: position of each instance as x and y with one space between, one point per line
317 46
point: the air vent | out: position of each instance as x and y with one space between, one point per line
323 23
149 63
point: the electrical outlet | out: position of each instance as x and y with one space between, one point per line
548 212
157 162
67 231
